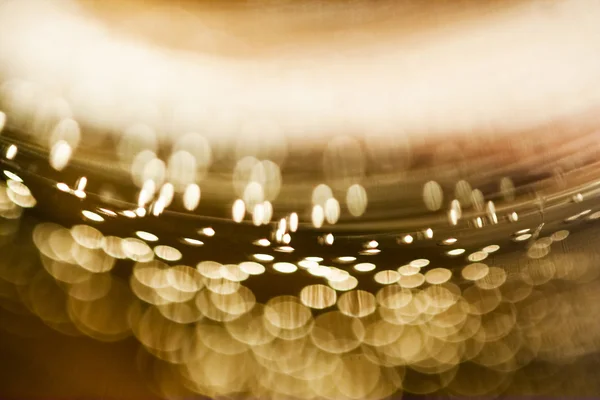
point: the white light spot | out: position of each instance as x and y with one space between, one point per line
208 231
92 216
318 216
238 211
263 257
193 242
191 197
63 187
60 155
11 152
262 242
284 267
147 236
329 239
345 259
455 252
13 176
364 267
408 239
293 222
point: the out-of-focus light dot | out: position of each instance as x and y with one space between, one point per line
263 257
282 225
491 248
419 263
372 244
595 215
408 270
285 267
167 191
60 154
408 239
252 268
238 210
356 200
478 222
433 195
429 233
140 212
193 242
107 212
80 194
147 236
513 217
92 216
147 193
293 222
364 267
63 187
307 264
279 236
332 210
208 231
345 259
317 216
449 241
560 235
522 231
13 176
286 238
491 211
284 249
369 252
437 276
347 284
82 183
11 152
129 213
318 296
191 197
476 271
585 212
267 212
167 253
319 270
455 252
329 239
477 256
387 277
262 242
453 217
578 198
258 214
523 237
314 259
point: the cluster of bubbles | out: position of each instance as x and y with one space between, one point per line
477 332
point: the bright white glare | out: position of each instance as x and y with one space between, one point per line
293 222
193 242
263 257
208 231
147 236
455 252
129 213
329 239
262 242
429 233
284 267
60 155
63 187
238 210
13 176
408 239
11 152
92 216
562 51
